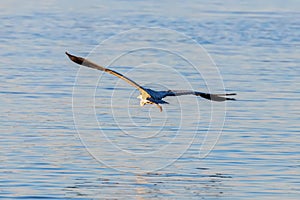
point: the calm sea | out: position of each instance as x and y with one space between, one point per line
72 132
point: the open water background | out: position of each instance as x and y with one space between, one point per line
65 133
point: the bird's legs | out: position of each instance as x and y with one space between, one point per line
159 106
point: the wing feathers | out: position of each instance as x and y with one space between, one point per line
87 63
158 95
213 97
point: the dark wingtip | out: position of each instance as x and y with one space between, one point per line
69 55
230 94
217 97
75 59
231 99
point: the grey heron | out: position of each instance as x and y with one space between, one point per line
148 96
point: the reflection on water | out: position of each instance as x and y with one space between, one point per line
255 48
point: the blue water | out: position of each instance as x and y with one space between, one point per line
71 132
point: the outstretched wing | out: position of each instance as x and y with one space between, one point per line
87 63
213 97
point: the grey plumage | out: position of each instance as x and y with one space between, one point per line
148 96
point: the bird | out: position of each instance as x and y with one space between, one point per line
147 95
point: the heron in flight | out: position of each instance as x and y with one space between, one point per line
148 96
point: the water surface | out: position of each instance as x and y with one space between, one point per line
148 154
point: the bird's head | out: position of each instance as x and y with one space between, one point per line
146 101
143 101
